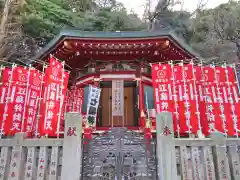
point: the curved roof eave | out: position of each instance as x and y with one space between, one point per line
127 34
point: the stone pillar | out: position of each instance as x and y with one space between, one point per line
72 147
166 155
220 153
17 158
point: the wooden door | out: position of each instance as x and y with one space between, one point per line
128 106
106 107
106 104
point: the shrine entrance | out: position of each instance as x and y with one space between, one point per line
129 117
119 154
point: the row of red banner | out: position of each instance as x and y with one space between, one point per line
200 98
34 102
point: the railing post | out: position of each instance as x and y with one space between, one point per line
72 147
166 154
17 158
220 153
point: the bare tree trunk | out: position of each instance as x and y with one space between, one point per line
150 25
4 20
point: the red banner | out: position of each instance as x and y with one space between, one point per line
5 91
54 91
198 94
211 101
63 100
187 99
75 99
33 99
17 99
71 95
79 99
163 94
185 102
230 101
69 100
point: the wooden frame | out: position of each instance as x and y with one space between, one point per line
135 91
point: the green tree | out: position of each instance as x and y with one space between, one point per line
43 19
79 5
216 32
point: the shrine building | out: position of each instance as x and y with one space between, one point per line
101 57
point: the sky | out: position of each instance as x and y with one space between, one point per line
138 5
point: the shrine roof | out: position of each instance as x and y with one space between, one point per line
155 45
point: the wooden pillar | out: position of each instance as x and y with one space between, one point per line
72 147
166 154
142 116
74 76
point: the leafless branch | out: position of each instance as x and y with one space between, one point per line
201 4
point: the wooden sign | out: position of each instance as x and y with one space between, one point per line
222 163
30 167
186 174
196 164
234 160
16 167
42 164
4 162
208 163
117 98
53 174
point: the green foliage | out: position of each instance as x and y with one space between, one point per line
43 19
212 32
112 21
216 32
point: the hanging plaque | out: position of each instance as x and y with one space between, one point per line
117 98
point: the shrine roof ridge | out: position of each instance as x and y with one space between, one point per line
76 33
